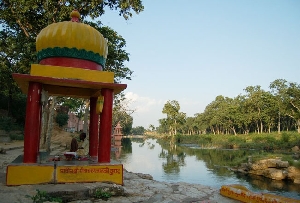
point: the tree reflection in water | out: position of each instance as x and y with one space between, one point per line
126 145
268 184
220 161
174 157
173 162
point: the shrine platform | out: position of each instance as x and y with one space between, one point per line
54 169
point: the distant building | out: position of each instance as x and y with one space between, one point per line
73 124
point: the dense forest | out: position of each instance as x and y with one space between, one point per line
256 111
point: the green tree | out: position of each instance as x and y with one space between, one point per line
117 55
293 93
122 113
279 89
175 119
163 126
270 110
284 93
229 114
243 118
201 123
13 49
190 125
31 16
151 127
255 105
139 130
61 119
212 116
23 20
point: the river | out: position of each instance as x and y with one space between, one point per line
194 165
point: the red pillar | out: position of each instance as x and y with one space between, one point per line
40 129
32 123
105 127
94 121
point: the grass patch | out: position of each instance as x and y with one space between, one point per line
42 196
264 141
101 194
16 136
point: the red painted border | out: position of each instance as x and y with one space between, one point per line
71 62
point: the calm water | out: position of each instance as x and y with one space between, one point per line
194 165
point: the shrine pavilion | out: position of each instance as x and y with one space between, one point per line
71 63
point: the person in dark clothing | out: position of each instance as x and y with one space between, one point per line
83 150
74 145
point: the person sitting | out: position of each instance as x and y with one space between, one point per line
81 149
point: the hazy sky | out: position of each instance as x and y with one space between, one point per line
192 51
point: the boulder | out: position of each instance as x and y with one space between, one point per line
295 149
272 173
293 174
269 163
144 176
259 165
259 172
275 169
275 174
282 164
277 163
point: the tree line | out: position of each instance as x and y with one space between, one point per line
255 111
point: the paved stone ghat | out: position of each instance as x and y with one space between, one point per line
137 188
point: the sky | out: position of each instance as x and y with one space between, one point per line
192 51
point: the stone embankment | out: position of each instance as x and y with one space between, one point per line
137 188
275 169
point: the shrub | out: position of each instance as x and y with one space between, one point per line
16 137
62 119
43 196
101 194
285 137
6 123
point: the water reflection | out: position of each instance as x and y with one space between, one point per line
267 184
173 161
194 165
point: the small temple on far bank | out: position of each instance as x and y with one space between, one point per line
71 62
117 140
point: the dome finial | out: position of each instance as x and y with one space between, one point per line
75 15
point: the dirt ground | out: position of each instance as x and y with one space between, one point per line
59 136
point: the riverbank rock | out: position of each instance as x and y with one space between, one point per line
2 150
136 188
295 149
294 174
275 169
269 163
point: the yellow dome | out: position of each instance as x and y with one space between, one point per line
72 39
